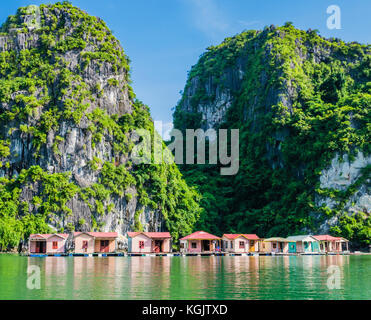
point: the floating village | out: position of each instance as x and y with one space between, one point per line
199 243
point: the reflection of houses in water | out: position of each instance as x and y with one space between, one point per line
338 260
149 274
89 271
56 269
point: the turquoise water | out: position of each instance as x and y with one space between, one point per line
264 277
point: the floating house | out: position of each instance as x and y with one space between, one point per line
240 243
47 243
275 245
302 244
200 241
95 242
149 242
329 243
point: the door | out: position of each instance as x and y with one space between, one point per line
306 246
40 247
292 247
158 246
205 245
104 246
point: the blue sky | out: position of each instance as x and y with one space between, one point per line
164 38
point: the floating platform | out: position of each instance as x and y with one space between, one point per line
184 254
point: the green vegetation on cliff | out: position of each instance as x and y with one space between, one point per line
302 99
56 77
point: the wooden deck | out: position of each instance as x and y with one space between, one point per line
182 254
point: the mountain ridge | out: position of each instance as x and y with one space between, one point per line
300 101
68 115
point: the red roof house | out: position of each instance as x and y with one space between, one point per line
90 242
200 241
47 243
329 243
240 243
148 242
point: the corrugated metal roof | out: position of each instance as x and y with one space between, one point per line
301 238
278 239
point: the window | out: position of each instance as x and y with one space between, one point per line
55 244
251 243
141 244
194 245
274 245
242 244
85 244
226 244
182 245
231 244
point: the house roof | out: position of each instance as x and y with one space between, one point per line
325 237
48 235
200 235
97 234
341 239
278 239
233 236
306 237
251 236
153 235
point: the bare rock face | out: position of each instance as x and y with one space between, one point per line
67 114
341 175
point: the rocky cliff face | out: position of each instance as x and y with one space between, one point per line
67 115
301 103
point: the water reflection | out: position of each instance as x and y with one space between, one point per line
238 277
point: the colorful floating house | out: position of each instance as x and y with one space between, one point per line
302 244
47 243
240 243
95 242
275 245
149 242
329 243
199 242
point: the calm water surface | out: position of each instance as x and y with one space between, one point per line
265 277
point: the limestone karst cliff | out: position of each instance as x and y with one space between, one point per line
302 104
67 114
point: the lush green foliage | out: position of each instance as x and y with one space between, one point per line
324 97
40 90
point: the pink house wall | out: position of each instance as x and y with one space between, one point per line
61 245
32 246
148 244
49 245
79 241
194 250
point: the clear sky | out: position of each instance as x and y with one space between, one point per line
164 38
